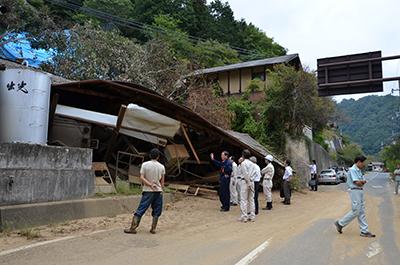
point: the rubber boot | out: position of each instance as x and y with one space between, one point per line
154 225
270 205
266 207
134 225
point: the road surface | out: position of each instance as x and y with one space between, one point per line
193 231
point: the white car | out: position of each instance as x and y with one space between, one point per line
341 172
328 176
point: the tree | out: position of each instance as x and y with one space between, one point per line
391 156
347 154
24 17
290 102
87 52
207 104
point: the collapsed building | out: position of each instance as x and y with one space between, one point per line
121 122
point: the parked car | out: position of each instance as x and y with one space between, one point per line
328 176
341 172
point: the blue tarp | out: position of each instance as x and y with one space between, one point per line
22 50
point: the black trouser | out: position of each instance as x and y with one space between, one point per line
286 189
256 189
314 177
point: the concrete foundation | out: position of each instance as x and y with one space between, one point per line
36 173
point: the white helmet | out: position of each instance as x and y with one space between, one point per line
269 157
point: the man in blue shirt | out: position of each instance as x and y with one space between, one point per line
225 179
356 182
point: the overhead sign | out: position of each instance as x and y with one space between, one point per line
350 74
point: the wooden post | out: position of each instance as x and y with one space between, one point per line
190 143
115 132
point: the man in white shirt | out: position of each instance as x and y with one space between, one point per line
287 181
233 183
313 168
248 171
256 182
268 173
152 175
239 177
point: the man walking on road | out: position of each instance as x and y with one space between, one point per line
152 175
287 181
268 173
233 183
397 179
248 171
225 179
356 182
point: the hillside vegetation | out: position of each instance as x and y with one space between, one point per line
373 120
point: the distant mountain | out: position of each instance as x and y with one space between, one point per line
373 121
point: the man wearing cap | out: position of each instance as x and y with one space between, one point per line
268 173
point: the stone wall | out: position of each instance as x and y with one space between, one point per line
44 173
299 151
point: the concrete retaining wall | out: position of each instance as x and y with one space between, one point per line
44 173
298 152
38 214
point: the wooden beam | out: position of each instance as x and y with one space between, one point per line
190 143
53 106
115 132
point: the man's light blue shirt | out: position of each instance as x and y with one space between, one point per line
354 175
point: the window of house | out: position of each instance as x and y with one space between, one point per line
259 76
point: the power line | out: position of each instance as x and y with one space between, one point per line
158 31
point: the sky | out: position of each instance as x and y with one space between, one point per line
324 28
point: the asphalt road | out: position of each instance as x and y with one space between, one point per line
318 243
314 245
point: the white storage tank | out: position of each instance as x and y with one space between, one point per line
24 106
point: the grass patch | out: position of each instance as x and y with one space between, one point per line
8 228
29 232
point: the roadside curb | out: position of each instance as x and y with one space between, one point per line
18 216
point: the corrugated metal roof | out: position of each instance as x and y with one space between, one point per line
253 144
269 61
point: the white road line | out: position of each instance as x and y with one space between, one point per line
6 252
252 255
97 232
374 249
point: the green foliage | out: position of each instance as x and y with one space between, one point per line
391 156
291 101
29 232
131 190
245 111
255 85
333 155
8 228
373 121
320 139
347 154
